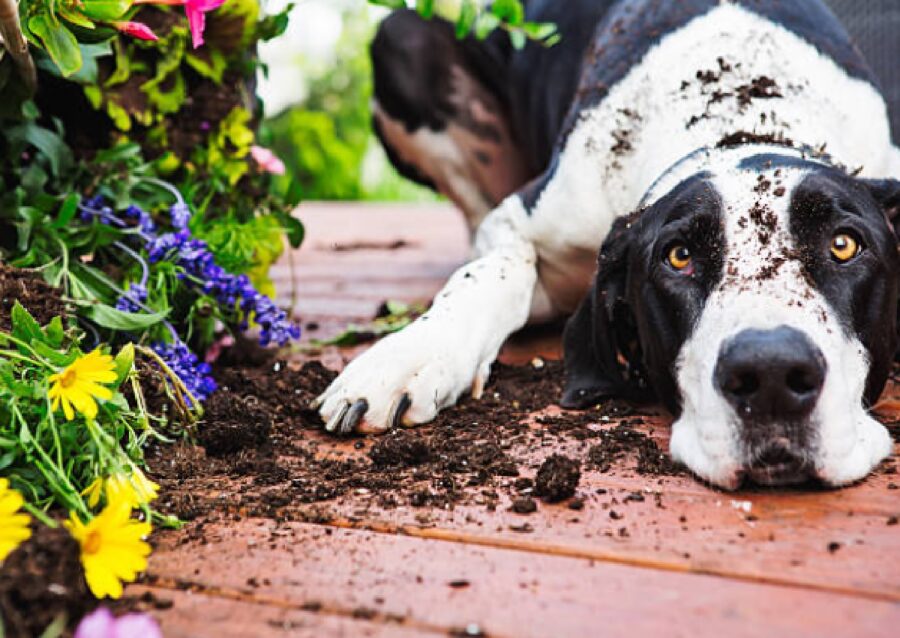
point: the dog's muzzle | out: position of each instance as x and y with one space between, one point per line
773 380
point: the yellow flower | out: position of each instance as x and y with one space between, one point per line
112 547
13 524
79 384
136 489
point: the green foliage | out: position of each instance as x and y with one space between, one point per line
49 459
52 25
480 18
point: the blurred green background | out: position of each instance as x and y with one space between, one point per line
316 94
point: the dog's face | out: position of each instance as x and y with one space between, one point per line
758 300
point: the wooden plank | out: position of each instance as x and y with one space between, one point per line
434 584
196 614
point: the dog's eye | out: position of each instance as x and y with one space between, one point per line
844 247
679 257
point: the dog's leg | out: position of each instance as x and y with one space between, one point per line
439 110
411 375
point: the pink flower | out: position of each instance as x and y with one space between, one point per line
267 160
196 11
102 624
136 29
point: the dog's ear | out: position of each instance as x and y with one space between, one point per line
599 341
887 193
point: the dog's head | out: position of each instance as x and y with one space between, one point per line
758 300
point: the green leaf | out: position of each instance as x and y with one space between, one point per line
212 68
390 4
105 9
109 317
54 356
24 326
73 15
425 8
124 362
485 25
509 11
66 211
59 42
294 229
468 13
51 145
54 333
518 39
539 30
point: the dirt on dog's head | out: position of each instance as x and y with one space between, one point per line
757 298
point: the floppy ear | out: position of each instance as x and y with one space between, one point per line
601 330
887 193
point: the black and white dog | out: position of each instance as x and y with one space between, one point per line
733 159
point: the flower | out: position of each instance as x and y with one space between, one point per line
195 375
229 290
180 214
267 160
196 11
133 297
13 524
136 489
112 547
79 384
137 30
102 624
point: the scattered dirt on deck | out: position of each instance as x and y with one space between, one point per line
41 299
265 456
41 580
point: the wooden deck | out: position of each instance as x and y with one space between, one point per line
683 559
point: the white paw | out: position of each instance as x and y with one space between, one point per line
406 378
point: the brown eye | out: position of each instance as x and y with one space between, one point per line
844 247
679 257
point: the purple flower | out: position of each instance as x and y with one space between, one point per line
234 293
195 375
102 624
231 291
133 298
180 214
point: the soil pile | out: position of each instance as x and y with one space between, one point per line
40 298
41 581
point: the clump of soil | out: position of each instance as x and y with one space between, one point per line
526 505
41 299
232 423
41 580
557 478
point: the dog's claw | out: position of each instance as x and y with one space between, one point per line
337 418
400 408
354 416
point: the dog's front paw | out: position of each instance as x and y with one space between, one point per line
406 378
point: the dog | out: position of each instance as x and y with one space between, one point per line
732 163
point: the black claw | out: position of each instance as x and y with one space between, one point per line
338 417
354 416
399 410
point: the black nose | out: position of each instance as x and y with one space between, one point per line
771 375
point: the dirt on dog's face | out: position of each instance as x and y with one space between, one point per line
758 300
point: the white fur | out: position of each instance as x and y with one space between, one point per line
848 442
451 347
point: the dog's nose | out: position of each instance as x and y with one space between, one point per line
771 375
